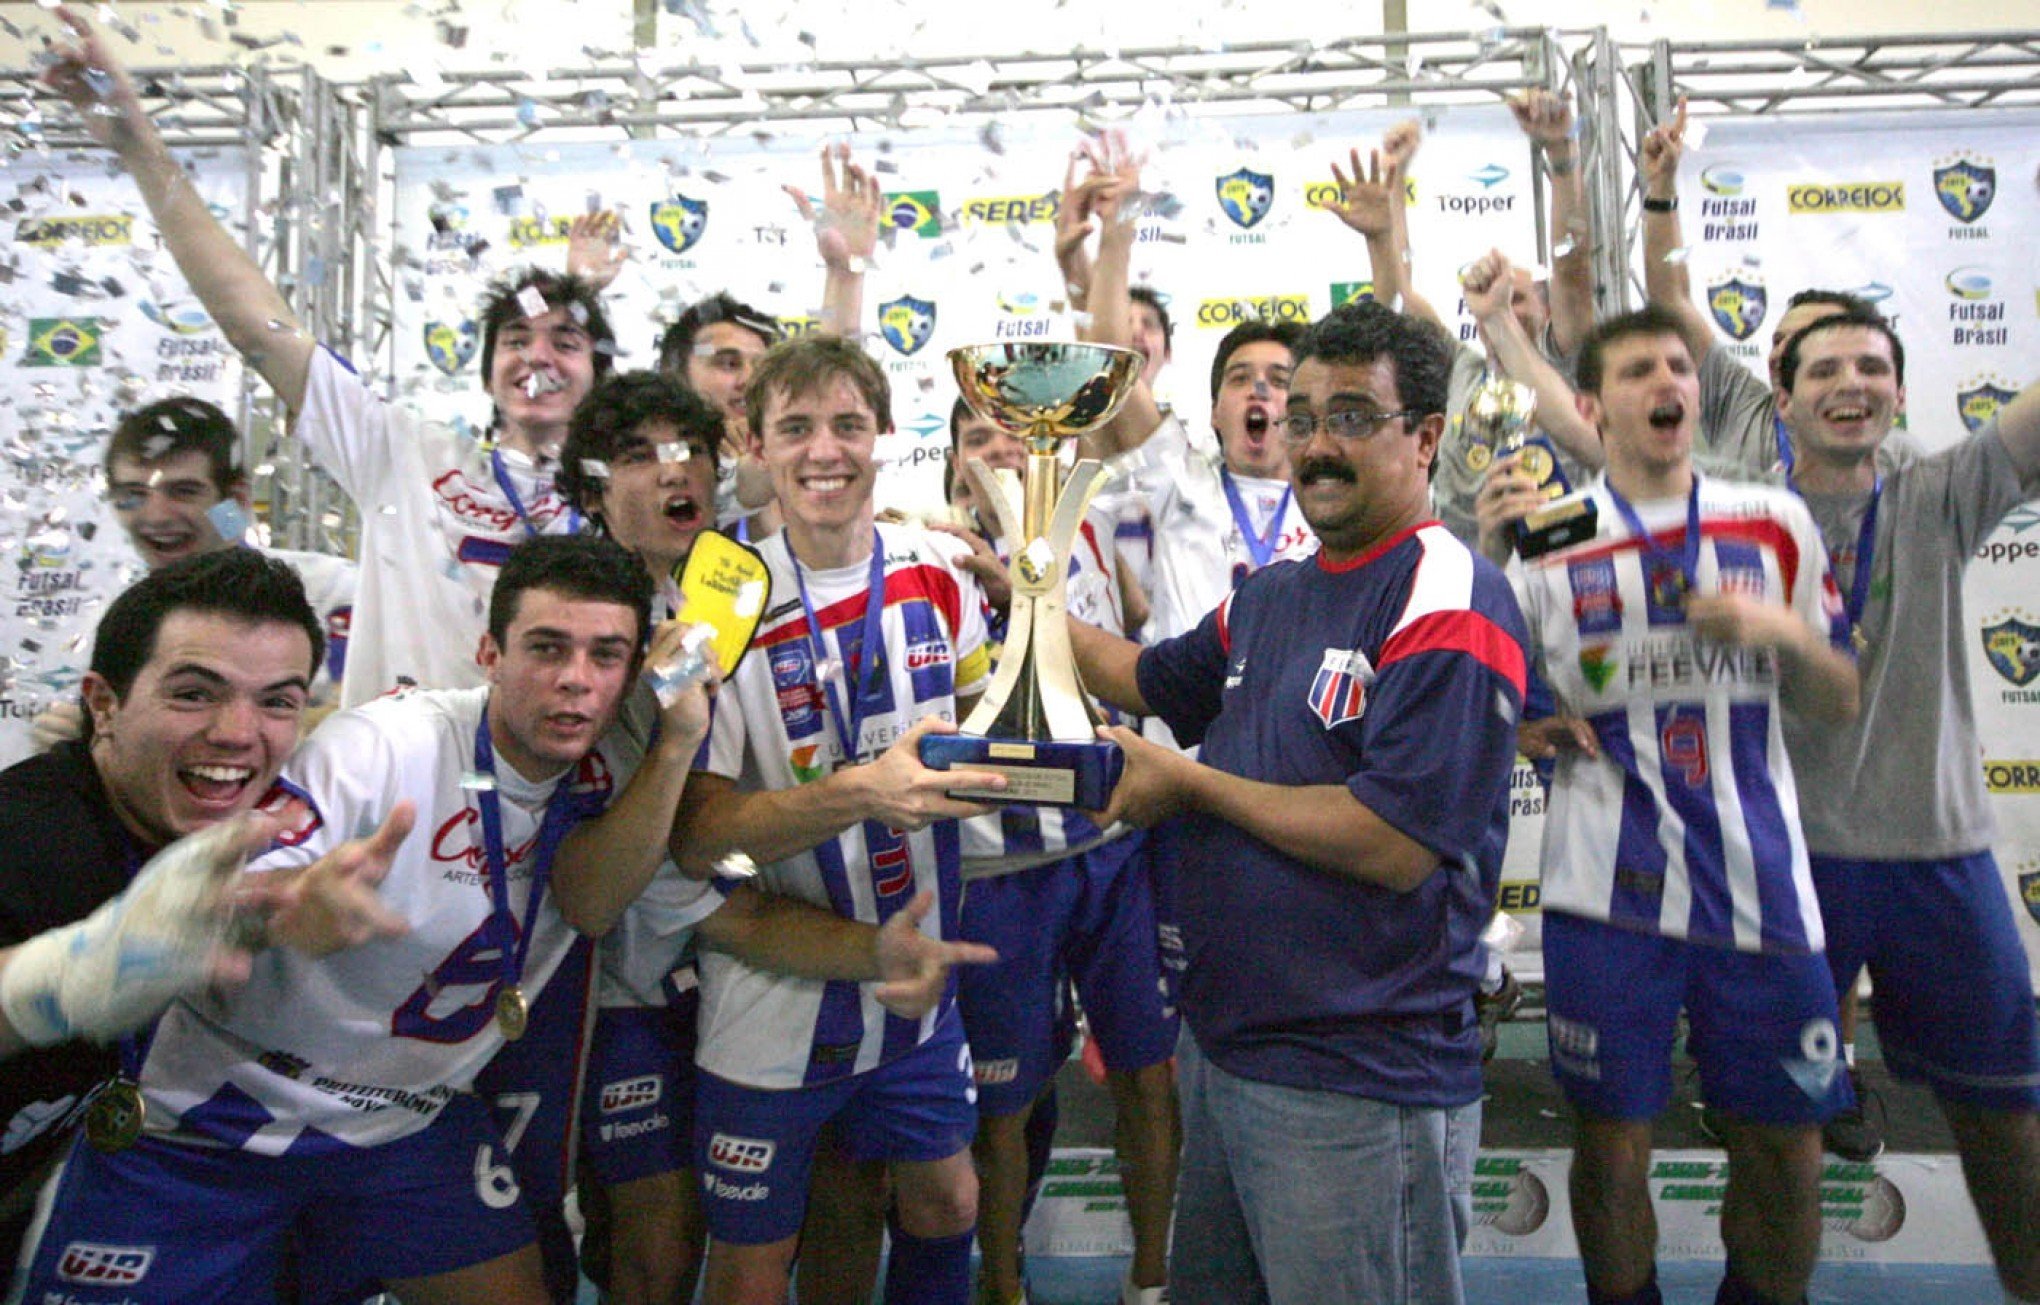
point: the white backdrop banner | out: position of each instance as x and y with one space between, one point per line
94 320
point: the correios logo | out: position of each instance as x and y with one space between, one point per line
1846 197
741 1155
90 1264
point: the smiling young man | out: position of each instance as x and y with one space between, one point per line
1675 874
1356 716
874 637
198 679
1897 821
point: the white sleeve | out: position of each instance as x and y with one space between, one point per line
726 724
1814 597
340 784
349 432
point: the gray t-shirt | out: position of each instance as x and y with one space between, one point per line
1738 438
1462 466
1901 782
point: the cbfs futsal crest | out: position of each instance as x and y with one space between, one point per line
678 222
2013 649
1737 302
1980 400
450 345
907 323
1338 693
1246 196
2029 888
1965 187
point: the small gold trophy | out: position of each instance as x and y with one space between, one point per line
1498 417
1035 724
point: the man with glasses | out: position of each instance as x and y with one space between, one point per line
1357 715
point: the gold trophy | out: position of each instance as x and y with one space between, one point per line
1035 724
1498 417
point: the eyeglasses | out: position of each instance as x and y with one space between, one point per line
1350 424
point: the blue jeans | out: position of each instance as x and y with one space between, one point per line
1302 1197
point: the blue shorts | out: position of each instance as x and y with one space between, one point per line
753 1148
1762 1024
1953 992
637 1117
168 1222
1092 917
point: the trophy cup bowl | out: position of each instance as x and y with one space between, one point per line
1035 724
1498 415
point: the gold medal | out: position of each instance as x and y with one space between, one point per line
1478 456
513 1012
1858 639
1537 462
114 1119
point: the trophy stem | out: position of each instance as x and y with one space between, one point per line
1042 484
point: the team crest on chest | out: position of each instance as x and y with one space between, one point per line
1339 692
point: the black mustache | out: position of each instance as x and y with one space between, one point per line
1330 467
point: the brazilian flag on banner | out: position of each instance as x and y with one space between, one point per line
918 211
62 342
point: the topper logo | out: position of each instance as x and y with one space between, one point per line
104 1266
632 1093
741 1155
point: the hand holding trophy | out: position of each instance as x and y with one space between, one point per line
1035 724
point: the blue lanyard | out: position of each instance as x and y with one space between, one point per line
861 644
1866 547
509 488
1687 562
1259 547
1784 438
562 813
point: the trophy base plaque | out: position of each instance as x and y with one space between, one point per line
1039 772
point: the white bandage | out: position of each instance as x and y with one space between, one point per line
119 967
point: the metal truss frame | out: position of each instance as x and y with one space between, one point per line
1959 70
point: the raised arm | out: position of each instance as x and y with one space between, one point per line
2018 425
1487 284
1665 279
249 309
846 236
1547 119
1111 195
605 864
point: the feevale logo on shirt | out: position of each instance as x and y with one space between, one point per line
1338 693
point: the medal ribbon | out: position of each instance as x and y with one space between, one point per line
1688 558
1866 548
562 813
1260 547
858 667
509 488
1784 438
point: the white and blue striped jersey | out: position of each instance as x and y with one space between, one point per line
367 1045
1687 825
774 730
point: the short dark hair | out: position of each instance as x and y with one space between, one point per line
562 290
1872 320
805 363
1842 299
1649 320
1153 298
170 426
1285 334
242 584
591 567
616 409
676 343
1361 331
